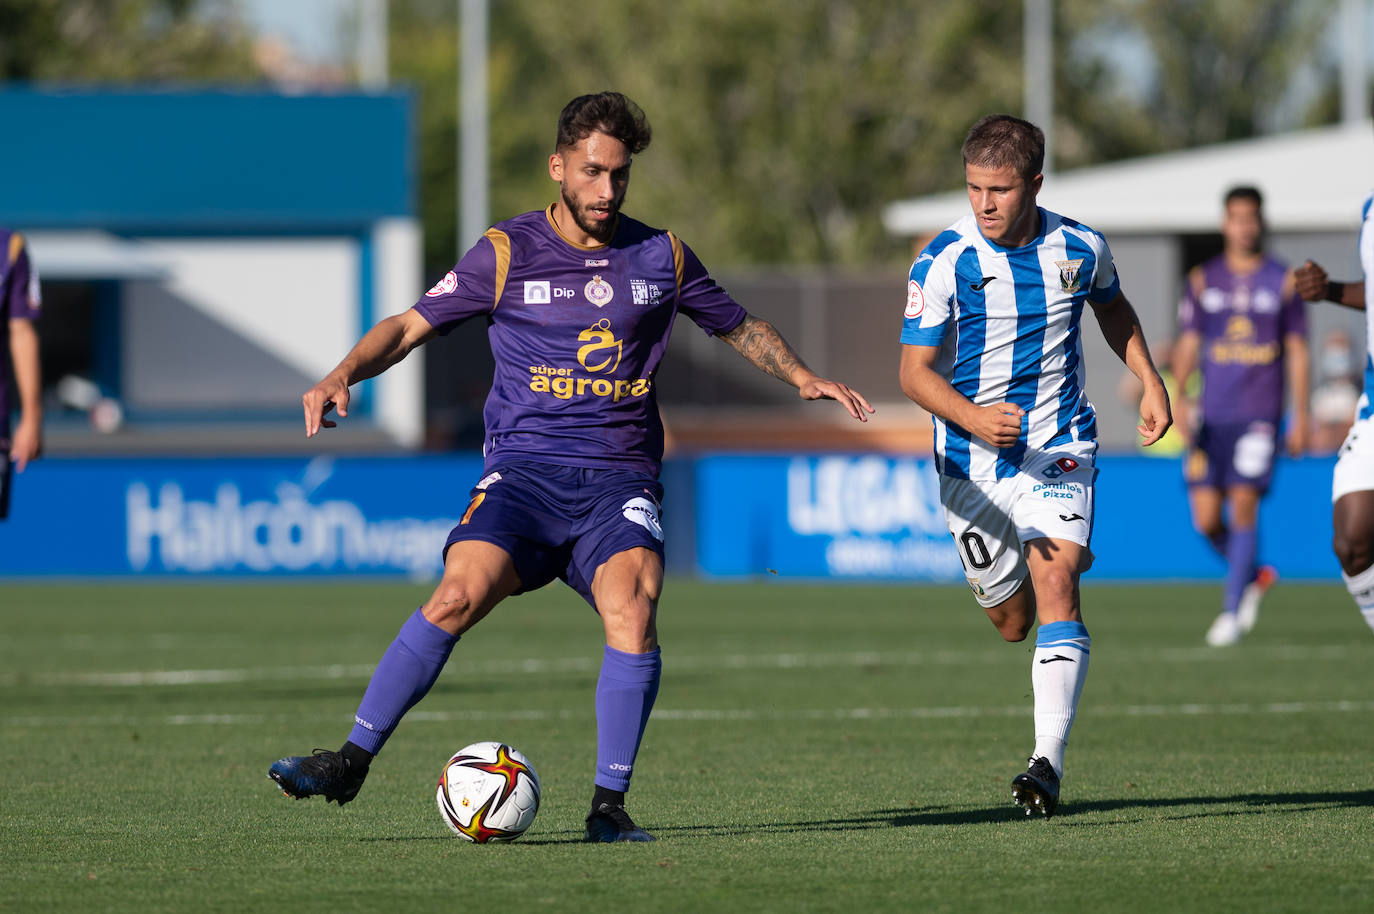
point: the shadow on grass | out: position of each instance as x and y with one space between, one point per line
1245 804
1235 805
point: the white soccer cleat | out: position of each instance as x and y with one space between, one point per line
1247 611
1225 631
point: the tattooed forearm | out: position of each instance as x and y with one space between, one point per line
760 343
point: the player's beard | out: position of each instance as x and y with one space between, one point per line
601 231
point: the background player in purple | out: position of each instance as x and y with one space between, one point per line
20 302
1243 323
579 301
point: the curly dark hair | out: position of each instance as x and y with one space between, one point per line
605 112
1000 140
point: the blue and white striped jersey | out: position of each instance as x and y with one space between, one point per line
1366 407
1007 321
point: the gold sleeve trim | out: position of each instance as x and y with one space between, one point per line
501 242
678 259
16 246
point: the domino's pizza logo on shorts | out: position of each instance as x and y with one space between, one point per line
915 300
644 512
444 286
1060 467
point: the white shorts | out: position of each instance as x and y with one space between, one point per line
991 521
1355 463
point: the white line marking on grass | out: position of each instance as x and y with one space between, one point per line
720 715
781 661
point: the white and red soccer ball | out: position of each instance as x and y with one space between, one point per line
488 792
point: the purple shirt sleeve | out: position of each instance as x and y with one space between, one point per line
466 290
703 300
1189 311
1293 318
21 284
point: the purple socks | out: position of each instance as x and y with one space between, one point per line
625 694
403 676
1241 548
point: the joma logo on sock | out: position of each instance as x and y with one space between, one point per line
616 766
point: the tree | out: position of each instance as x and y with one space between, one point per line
124 41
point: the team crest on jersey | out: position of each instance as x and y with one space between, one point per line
444 286
599 292
915 300
1069 280
602 352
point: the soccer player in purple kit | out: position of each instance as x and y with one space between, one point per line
579 301
1243 323
20 302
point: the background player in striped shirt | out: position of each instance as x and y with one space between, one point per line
1242 321
992 348
20 303
579 301
1352 483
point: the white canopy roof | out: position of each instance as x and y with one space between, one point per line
1313 180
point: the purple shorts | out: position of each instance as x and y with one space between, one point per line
1229 454
6 480
560 521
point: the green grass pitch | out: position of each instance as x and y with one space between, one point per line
814 748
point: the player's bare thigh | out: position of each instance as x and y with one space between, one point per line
1244 502
626 588
1352 524
477 576
1055 565
1049 594
1206 503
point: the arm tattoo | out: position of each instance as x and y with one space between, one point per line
760 343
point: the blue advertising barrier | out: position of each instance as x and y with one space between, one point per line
862 517
876 517
366 516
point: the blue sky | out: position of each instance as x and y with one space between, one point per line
309 26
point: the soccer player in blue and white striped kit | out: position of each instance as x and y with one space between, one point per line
992 348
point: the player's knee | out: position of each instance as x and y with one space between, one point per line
452 607
1354 550
1013 630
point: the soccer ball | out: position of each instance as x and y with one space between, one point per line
488 792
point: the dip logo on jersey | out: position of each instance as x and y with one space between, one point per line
599 292
1060 467
537 292
915 300
596 263
599 355
1069 279
445 285
601 345
643 292
644 512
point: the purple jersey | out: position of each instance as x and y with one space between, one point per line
1243 321
577 334
19 299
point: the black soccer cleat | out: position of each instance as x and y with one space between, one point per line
325 773
609 823
1037 788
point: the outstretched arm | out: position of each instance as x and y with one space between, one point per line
27 441
1314 285
380 348
1121 328
761 344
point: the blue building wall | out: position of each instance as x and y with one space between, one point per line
169 161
